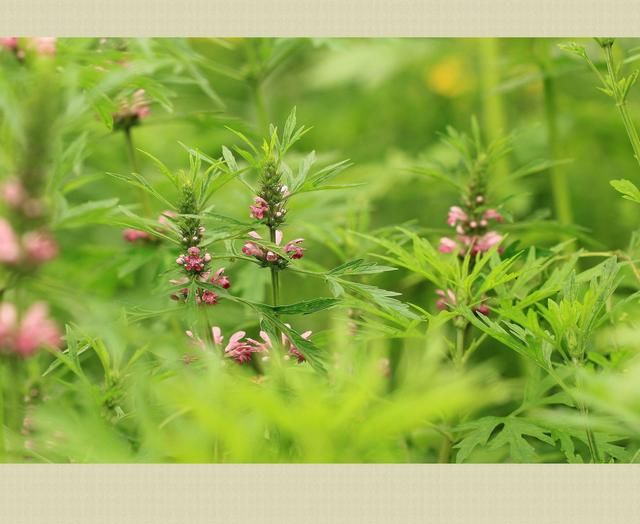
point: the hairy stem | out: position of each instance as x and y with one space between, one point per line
2 418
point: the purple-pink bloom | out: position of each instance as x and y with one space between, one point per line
13 193
447 245
45 45
487 241
34 331
259 209
9 42
492 214
135 235
9 246
39 247
294 249
220 279
456 214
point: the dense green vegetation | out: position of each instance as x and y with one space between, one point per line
298 250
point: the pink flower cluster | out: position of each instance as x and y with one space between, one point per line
203 296
448 300
471 228
44 46
16 197
240 348
292 249
261 210
24 336
33 248
132 111
136 236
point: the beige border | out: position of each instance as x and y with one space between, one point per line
349 494
320 17
493 494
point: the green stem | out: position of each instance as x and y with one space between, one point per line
621 104
3 382
444 455
131 152
275 276
559 182
493 109
458 357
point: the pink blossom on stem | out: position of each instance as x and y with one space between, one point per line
9 246
220 279
456 214
45 45
447 245
39 247
293 248
134 236
487 241
34 331
447 299
13 193
140 105
259 209
492 214
9 42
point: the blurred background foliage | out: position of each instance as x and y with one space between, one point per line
383 104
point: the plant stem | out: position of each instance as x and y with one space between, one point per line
493 110
458 357
2 388
275 276
444 455
559 182
621 104
131 152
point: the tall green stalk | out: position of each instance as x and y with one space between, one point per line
559 183
621 103
493 108
131 152
275 276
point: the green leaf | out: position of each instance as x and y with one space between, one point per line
627 188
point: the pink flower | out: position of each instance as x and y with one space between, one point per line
259 209
34 331
207 297
487 241
39 246
293 249
251 249
483 309
286 343
492 214
45 45
9 42
192 261
134 236
446 299
9 246
447 245
237 349
456 214
13 193
140 105
220 279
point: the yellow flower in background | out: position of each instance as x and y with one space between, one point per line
450 77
